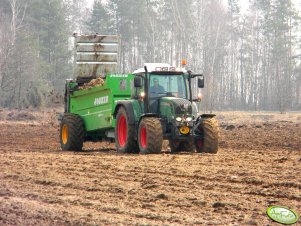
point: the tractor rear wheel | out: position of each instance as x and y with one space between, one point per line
150 136
72 132
208 130
178 146
125 133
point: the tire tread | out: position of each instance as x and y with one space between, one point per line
131 146
76 132
154 135
211 135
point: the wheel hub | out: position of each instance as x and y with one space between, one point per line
65 134
122 131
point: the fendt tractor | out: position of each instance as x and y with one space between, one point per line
138 110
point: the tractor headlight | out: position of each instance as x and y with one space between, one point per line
142 95
178 119
188 119
200 97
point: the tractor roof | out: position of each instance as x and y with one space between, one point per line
159 67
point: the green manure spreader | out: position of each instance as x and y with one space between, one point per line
138 110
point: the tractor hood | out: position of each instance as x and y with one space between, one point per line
174 106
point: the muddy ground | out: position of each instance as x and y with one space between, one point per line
258 165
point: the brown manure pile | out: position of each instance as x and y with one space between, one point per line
93 83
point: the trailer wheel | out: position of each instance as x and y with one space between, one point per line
208 130
125 133
72 133
150 136
178 146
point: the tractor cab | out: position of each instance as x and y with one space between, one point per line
163 85
169 111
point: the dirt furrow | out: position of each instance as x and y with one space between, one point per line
258 165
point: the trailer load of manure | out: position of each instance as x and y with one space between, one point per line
93 83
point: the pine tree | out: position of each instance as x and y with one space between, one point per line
99 19
47 18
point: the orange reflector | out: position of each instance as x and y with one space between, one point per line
184 62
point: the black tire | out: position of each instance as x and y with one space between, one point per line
209 131
125 133
150 136
179 146
72 132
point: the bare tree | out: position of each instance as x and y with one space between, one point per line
5 46
18 10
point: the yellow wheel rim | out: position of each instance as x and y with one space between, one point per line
184 130
65 134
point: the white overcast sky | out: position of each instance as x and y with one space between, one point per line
243 3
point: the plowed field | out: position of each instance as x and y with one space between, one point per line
258 165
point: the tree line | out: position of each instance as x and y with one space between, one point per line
251 60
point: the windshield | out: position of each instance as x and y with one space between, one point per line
170 85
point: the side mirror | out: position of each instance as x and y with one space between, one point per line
201 82
137 82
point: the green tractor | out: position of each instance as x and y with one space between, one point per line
138 111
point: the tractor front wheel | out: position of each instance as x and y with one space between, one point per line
150 136
72 133
209 133
124 133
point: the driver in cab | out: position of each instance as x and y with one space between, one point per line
156 89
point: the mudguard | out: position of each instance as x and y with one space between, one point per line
207 115
129 109
201 117
147 115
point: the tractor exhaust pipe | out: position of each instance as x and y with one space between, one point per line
189 82
146 99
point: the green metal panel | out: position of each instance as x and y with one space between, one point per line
166 108
138 109
97 104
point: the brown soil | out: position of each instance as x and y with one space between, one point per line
258 165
